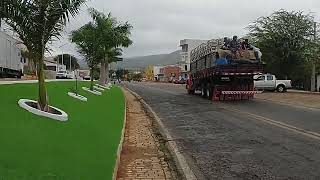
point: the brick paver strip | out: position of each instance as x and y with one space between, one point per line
141 157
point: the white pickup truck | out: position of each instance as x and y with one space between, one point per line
270 82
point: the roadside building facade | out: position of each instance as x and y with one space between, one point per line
156 73
187 45
170 73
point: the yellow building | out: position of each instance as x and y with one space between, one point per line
149 73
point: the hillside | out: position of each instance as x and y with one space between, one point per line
144 61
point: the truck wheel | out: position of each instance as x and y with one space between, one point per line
281 89
209 92
191 92
203 91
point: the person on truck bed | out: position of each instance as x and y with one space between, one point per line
245 45
226 44
234 44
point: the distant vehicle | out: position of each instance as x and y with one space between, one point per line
87 77
270 82
70 75
181 81
10 57
62 75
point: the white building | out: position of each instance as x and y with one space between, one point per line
156 72
187 45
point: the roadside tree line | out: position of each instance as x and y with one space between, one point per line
100 42
290 45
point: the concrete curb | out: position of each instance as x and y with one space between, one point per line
34 81
304 92
180 160
116 167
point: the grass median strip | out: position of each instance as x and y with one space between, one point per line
84 147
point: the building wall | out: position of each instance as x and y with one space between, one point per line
187 45
170 73
156 72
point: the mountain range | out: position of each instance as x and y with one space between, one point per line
142 62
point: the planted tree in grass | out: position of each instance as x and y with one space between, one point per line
111 35
37 22
88 46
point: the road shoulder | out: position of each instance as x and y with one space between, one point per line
179 159
143 155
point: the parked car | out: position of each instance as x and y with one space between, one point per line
181 81
87 77
270 82
70 75
62 75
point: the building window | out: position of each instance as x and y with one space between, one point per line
185 48
186 67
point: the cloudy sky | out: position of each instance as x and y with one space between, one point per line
160 24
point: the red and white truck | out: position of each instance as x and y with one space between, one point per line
232 80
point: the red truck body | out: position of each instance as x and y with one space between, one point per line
232 81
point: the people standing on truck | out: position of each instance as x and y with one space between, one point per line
245 45
234 44
226 43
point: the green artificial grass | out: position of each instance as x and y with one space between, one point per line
83 148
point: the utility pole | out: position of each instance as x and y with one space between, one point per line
313 73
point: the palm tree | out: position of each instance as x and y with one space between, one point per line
37 22
110 36
88 46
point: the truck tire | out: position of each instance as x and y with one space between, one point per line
191 92
203 91
209 92
281 88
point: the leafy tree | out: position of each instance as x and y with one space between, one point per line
88 46
149 72
137 76
66 61
111 35
38 22
121 73
286 41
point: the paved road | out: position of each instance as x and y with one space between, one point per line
239 140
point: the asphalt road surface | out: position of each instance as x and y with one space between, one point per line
238 140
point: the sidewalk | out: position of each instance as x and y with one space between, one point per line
141 156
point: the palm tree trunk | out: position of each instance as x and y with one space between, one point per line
107 73
91 77
43 99
103 73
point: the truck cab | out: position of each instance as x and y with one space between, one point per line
270 82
